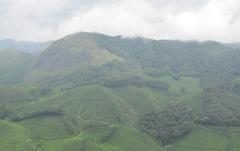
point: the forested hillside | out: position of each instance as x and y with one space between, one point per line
93 92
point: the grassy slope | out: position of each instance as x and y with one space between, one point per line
14 138
96 102
184 88
236 140
14 96
46 127
210 139
109 138
203 139
99 103
67 56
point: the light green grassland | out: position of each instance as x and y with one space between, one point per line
15 138
46 127
112 106
204 139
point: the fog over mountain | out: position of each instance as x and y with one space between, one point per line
159 19
30 47
119 75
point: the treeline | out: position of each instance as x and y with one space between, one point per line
39 92
217 109
69 121
112 75
15 115
218 120
6 112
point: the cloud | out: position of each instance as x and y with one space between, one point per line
159 19
31 19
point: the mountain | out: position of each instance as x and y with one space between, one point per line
72 58
13 65
84 57
235 45
30 47
90 91
181 71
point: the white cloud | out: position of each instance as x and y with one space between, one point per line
125 18
161 19
30 19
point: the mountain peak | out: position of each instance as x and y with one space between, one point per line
76 49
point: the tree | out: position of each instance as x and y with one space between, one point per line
169 124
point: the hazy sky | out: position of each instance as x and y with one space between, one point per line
160 19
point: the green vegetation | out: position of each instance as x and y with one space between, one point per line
15 138
168 125
204 139
92 92
108 138
46 127
13 65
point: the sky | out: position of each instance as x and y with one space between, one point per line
42 20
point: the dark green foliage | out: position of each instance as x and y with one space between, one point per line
6 112
109 135
217 111
157 84
167 125
40 92
176 58
21 115
236 88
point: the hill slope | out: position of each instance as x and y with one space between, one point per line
90 57
88 91
13 65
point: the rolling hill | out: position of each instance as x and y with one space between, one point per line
90 91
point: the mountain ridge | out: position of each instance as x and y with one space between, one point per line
26 46
90 91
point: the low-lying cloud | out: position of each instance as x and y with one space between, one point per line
159 19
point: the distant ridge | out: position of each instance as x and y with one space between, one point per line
30 47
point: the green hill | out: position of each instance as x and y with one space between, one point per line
99 103
15 138
13 65
103 139
13 95
68 58
90 91
84 58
